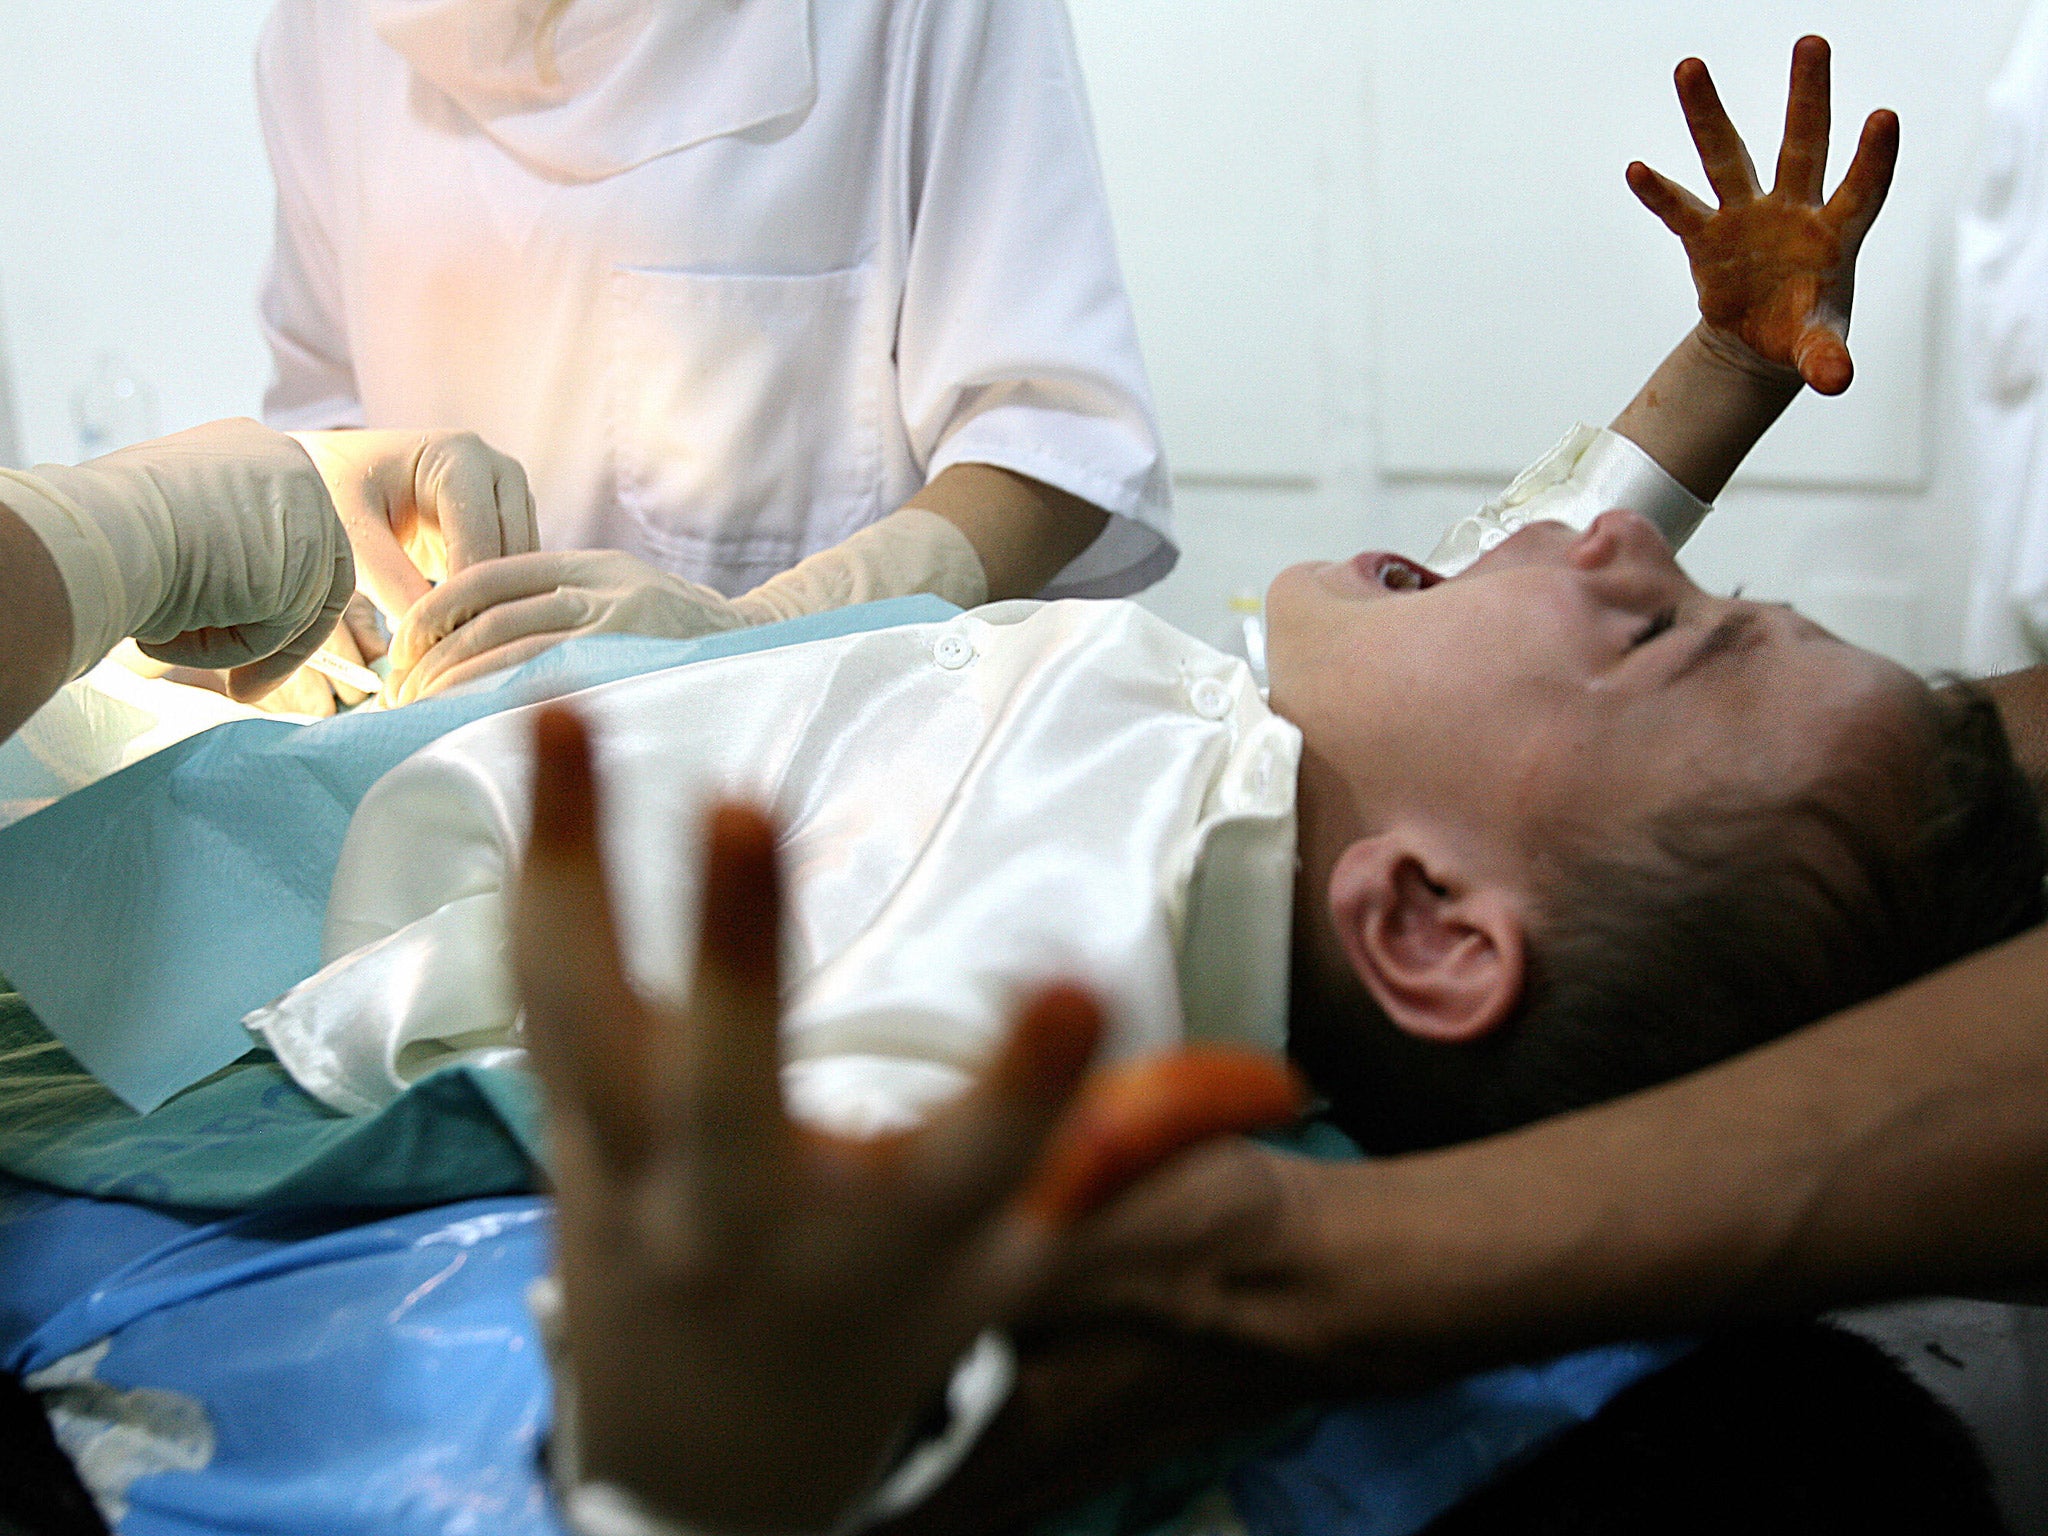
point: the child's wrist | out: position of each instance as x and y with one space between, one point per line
1729 354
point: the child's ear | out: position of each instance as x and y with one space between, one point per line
1443 955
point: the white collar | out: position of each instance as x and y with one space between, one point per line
638 79
1237 927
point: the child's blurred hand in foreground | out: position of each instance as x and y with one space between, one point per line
756 1310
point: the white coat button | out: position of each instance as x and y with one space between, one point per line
952 652
1210 698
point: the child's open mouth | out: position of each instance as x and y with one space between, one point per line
1397 573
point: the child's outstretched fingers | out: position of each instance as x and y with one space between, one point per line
1776 271
974 1155
1803 157
1722 153
718 1072
586 1029
1682 213
1133 1117
1860 198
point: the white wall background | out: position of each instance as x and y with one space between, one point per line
1382 254
134 207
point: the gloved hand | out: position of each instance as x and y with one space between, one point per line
421 506
309 691
501 613
215 548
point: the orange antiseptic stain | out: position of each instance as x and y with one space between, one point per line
1133 1117
1759 269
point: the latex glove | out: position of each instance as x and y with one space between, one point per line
421 506
1776 270
499 615
503 612
756 1310
311 692
214 548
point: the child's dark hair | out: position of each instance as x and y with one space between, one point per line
1734 925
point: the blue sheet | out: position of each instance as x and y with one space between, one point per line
249 1137
383 1378
144 915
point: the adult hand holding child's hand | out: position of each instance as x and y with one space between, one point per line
1776 270
756 1311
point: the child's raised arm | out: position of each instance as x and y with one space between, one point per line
1775 272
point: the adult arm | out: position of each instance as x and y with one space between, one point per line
35 622
1899 1149
215 548
2022 700
1024 532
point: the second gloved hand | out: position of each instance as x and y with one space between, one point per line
502 612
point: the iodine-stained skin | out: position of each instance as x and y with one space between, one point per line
1775 269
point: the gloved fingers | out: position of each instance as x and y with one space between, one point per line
477 497
383 568
502 659
264 652
305 692
359 618
367 474
253 680
515 502
476 590
554 615
342 643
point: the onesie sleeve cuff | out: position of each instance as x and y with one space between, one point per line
1591 471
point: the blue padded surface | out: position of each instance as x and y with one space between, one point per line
383 1378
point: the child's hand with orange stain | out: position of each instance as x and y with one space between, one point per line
1776 270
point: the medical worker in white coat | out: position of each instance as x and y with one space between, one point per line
734 282
2001 312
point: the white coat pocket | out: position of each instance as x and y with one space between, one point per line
745 416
